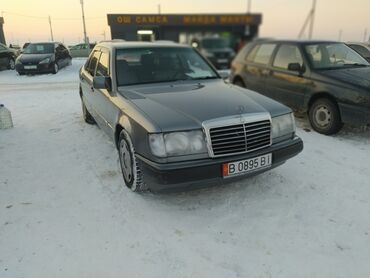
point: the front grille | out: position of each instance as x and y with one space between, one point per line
240 138
221 55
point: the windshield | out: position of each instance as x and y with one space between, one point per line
214 43
333 56
160 64
39 48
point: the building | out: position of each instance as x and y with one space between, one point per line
2 36
181 27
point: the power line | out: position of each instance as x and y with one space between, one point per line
46 17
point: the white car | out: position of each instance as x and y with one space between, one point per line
362 48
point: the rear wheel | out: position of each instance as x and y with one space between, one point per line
131 171
325 117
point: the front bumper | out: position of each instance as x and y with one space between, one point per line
354 114
40 68
206 172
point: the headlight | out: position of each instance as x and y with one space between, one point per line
283 126
45 61
208 54
177 143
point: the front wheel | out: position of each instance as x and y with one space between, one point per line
55 68
325 117
11 64
86 114
238 82
131 172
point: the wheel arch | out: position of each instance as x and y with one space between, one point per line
238 78
319 95
122 124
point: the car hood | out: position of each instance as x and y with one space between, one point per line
32 58
185 105
358 77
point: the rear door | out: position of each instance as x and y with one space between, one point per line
286 86
257 67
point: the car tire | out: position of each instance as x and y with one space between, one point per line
325 117
238 82
86 114
11 64
131 172
55 68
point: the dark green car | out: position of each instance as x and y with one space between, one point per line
328 80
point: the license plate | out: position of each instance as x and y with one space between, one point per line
222 61
248 165
30 67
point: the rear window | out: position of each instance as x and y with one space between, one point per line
261 53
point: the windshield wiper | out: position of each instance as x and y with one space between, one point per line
356 65
205 77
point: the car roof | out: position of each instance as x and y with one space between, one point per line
45 43
367 44
137 44
299 41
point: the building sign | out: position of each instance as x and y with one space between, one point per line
170 19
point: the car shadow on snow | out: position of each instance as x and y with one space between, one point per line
348 132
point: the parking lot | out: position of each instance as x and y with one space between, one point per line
65 211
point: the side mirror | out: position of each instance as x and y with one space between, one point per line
295 67
224 74
102 82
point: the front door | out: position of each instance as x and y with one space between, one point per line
104 100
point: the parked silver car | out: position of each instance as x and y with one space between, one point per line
81 50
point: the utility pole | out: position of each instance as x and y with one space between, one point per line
340 35
83 21
365 35
51 29
309 20
313 10
159 8
249 6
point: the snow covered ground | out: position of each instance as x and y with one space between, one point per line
64 211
